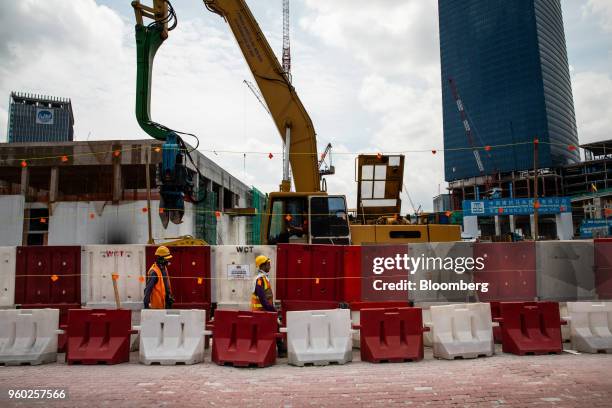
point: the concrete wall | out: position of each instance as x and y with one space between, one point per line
565 270
11 214
231 230
72 224
91 223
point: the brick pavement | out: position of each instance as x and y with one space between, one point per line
502 380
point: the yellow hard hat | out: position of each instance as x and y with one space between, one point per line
260 260
163 252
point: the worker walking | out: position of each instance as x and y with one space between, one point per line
262 298
158 292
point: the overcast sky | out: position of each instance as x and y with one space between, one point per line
368 72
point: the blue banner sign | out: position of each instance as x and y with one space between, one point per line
602 225
516 206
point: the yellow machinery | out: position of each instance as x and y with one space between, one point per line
309 214
185 240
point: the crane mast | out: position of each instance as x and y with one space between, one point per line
286 40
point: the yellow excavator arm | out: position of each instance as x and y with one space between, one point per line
291 119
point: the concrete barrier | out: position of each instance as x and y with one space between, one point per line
28 336
7 276
462 331
233 270
98 265
509 269
591 326
319 337
170 337
565 270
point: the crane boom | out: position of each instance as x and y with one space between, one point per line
466 125
290 116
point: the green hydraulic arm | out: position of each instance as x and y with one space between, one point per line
176 180
148 40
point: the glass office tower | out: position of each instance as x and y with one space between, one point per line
38 118
508 60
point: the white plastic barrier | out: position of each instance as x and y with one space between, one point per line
169 337
233 270
319 337
28 336
463 330
100 262
7 276
590 326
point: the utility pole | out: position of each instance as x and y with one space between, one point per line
536 204
150 241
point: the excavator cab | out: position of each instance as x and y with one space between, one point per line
307 218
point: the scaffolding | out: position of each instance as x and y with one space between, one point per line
257 200
206 220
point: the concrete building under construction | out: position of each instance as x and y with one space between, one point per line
96 193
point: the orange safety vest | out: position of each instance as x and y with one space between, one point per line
255 303
158 295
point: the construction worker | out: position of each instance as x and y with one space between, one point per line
158 292
262 298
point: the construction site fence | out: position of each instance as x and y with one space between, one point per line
223 275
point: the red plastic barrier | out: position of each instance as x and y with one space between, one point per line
99 336
393 335
603 268
299 305
309 272
530 327
63 319
188 263
244 339
510 270
48 275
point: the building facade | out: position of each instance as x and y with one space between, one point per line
89 193
508 61
38 118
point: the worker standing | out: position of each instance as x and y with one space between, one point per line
158 292
262 298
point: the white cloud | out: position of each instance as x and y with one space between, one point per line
602 11
395 37
396 46
410 121
71 49
592 96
